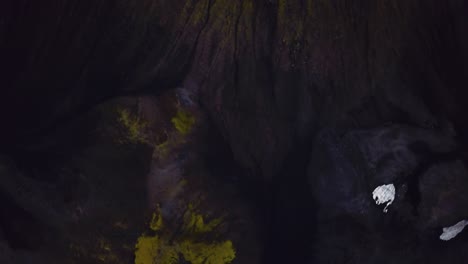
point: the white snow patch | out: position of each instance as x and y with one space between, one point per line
453 231
384 194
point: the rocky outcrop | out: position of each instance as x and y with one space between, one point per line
315 103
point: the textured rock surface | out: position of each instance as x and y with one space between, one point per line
312 104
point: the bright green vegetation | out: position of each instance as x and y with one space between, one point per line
166 248
194 223
154 250
135 130
134 127
183 121
156 222
200 253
